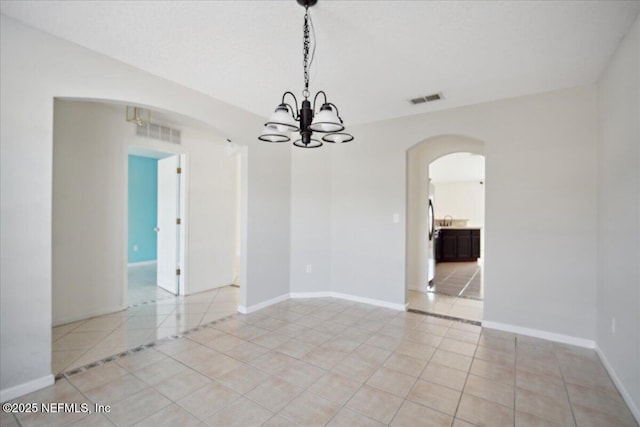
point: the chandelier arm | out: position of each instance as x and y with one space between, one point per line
316 97
295 113
337 112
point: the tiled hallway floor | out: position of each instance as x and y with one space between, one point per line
142 285
79 343
331 362
457 292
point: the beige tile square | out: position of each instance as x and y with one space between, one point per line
588 417
247 351
456 346
301 373
240 413
392 381
423 338
490 390
272 362
499 357
335 387
116 390
542 384
205 401
493 372
607 402
443 375
356 367
218 365
348 418
142 359
483 412
170 416
323 358
176 346
274 393
415 350
371 354
295 348
137 407
195 356
412 414
97 376
309 409
159 371
406 364
278 421
271 340
224 343
374 403
435 396
452 360
243 378
543 406
61 360
79 340
384 342
528 420
182 384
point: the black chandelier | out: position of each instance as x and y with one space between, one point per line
287 119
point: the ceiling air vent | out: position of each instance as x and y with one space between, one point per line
428 98
156 131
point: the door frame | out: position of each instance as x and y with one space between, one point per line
138 146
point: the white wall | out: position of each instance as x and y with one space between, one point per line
310 219
619 216
35 68
461 200
89 211
540 153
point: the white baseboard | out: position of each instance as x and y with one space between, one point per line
378 303
141 263
537 333
246 310
299 295
89 315
25 388
633 407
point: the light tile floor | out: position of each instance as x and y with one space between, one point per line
79 343
142 285
452 275
331 362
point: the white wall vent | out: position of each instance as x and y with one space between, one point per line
159 132
428 98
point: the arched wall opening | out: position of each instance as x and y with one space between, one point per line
419 157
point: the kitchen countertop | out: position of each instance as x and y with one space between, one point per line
438 227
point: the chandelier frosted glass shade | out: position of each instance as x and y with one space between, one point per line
304 118
271 134
313 143
337 138
282 120
326 121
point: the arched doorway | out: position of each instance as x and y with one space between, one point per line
420 250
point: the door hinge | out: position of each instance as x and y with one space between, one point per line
178 221
177 272
178 170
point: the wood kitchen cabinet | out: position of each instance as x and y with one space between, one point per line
457 244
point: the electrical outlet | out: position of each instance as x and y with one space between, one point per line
613 325
308 268
135 248
396 218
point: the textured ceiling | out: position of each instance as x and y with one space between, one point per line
371 57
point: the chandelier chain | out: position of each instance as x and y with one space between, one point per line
305 50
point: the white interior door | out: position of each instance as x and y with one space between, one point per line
168 229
